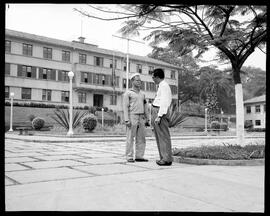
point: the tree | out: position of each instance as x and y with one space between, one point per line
214 85
254 82
234 30
187 82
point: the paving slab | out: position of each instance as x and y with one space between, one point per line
132 196
108 169
15 167
102 160
49 174
55 163
58 157
20 159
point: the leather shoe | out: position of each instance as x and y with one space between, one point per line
141 160
163 163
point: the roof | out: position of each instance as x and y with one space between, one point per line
84 46
255 99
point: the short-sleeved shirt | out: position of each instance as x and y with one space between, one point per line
133 102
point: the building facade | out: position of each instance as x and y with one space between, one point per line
255 109
36 70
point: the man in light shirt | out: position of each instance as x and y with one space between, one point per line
135 115
159 120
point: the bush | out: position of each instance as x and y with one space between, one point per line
89 122
224 126
248 125
31 117
256 130
215 125
38 123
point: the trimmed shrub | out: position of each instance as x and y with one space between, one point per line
224 126
215 125
89 122
38 123
248 125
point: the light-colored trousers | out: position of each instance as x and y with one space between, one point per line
137 132
162 135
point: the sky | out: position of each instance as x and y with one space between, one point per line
60 21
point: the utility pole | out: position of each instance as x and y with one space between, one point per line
127 71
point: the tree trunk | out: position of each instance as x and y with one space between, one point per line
239 114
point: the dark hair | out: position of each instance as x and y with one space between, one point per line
158 72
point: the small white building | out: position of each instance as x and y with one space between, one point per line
255 111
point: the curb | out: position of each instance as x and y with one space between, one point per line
197 161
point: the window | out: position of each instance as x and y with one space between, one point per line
64 76
85 77
46 94
65 56
46 73
26 93
6 91
150 86
257 108
27 49
7 68
82 58
142 85
47 53
139 68
113 99
257 122
173 89
98 61
125 66
65 96
111 63
248 109
150 69
82 97
27 71
103 79
172 74
8 46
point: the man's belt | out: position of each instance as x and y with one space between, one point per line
155 106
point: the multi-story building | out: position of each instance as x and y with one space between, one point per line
36 70
255 111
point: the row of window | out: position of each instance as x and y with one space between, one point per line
47 95
257 109
27 49
86 77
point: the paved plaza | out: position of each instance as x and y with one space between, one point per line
93 175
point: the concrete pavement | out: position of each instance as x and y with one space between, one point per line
94 176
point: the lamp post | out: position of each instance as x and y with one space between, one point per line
11 110
222 115
70 131
205 120
102 118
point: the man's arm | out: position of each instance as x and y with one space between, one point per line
126 106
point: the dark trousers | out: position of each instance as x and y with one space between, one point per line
162 135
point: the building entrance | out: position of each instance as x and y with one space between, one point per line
98 100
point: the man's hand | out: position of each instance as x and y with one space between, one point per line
157 120
128 123
147 123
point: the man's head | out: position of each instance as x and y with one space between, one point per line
135 80
158 75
